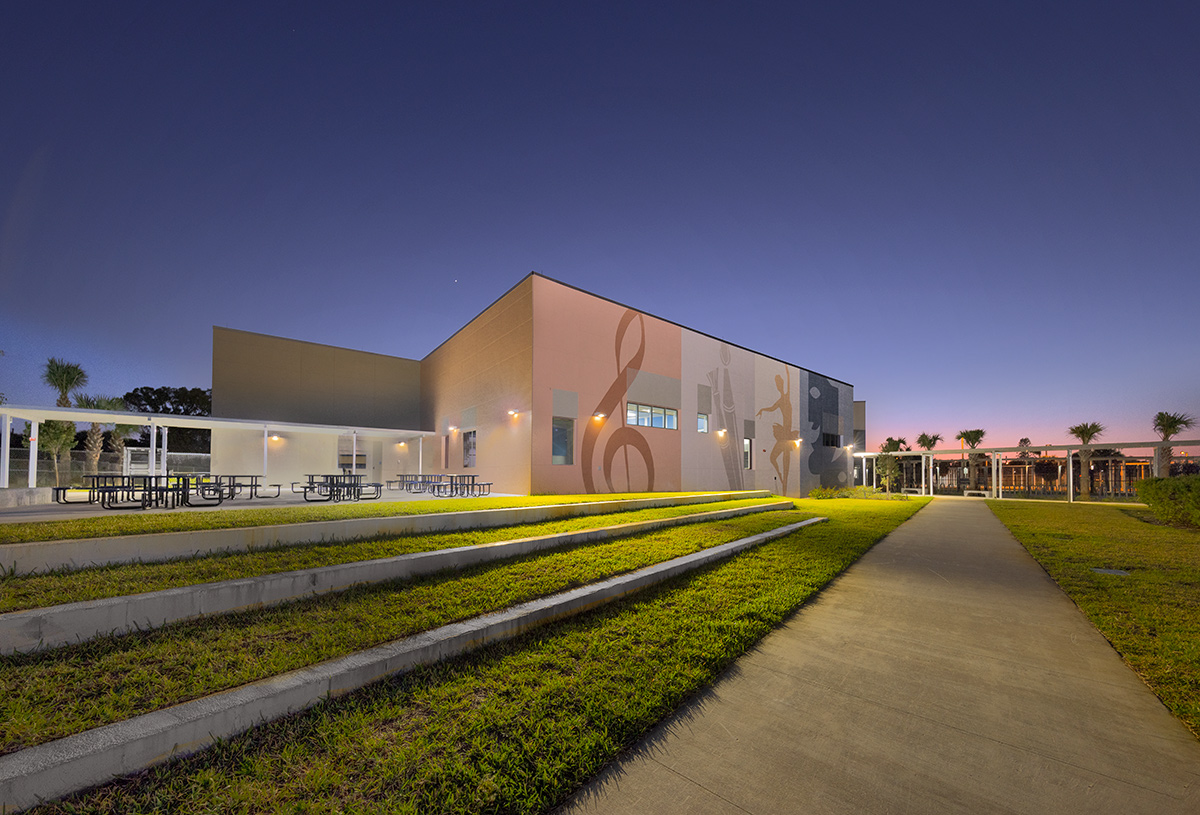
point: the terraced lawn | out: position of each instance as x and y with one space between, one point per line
51 694
37 591
128 524
513 728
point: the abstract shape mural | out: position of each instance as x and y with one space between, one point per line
624 437
823 401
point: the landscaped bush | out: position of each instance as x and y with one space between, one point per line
823 493
1174 500
854 492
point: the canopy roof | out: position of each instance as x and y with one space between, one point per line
138 419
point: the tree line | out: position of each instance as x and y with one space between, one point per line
68 379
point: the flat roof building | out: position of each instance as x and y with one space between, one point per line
549 390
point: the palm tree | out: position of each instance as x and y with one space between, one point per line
65 377
928 441
59 437
1167 426
1085 432
93 445
971 438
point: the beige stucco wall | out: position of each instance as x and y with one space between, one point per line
471 382
240 452
256 376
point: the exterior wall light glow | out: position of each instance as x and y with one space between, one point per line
597 415
512 413
721 432
274 437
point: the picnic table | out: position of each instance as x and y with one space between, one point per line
336 487
442 485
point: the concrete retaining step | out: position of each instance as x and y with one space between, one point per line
29 558
40 628
74 763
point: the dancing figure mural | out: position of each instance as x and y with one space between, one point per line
785 437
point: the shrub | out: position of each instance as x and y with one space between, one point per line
825 492
854 492
1173 500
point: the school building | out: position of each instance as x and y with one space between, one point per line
551 389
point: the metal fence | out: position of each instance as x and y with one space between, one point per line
1110 477
135 460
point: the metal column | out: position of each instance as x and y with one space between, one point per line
5 449
33 440
1070 479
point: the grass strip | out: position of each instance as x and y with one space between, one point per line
51 694
47 589
1152 615
516 727
117 524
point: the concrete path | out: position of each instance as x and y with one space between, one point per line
944 672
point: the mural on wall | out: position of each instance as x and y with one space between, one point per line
726 418
823 414
785 436
621 440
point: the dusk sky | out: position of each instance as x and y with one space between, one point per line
979 214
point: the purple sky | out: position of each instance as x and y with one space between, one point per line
980 214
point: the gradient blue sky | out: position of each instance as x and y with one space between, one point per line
979 214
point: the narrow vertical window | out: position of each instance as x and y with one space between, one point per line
562 441
469 448
702 422
747 454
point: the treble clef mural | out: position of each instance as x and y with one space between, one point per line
624 437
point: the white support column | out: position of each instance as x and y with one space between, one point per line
163 457
5 449
151 454
999 476
1070 479
874 474
265 436
33 440
354 453
420 455
923 457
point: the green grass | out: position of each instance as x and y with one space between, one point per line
40 590
66 690
119 523
1151 616
516 727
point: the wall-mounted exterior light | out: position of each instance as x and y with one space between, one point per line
721 432
274 437
513 413
597 415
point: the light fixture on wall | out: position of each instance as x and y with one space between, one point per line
721 432
274 437
597 415
453 428
513 413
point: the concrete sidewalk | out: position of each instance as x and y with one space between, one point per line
944 672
